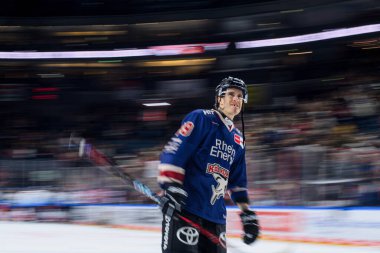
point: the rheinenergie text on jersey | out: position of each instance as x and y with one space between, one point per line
223 150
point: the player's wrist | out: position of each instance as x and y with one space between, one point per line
243 206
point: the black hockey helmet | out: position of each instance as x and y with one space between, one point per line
231 82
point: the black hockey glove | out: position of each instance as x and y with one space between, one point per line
173 200
250 226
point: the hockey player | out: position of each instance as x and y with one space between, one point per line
204 159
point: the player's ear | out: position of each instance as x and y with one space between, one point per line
219 100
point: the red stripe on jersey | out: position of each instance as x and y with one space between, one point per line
174 175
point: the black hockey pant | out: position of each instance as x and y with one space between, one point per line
180 237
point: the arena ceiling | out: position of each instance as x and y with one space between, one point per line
209 30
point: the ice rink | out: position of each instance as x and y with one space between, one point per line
21 237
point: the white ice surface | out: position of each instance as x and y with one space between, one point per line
19 237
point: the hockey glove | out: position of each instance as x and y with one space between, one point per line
173 200
250 226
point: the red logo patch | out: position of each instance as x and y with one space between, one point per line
186 129
216 168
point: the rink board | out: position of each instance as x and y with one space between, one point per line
351 226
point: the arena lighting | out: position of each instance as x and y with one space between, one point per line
375 47
90 33
157 104
338 33
77 54
188 48
151 51
176 63
298 53
81 65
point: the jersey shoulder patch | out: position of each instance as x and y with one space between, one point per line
195 119
211 117
186 129
238 138
202 115
208 112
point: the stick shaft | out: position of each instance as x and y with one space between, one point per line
110 166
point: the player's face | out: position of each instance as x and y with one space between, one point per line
232 102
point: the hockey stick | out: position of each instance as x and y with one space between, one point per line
110 166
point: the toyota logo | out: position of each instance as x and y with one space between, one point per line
188 235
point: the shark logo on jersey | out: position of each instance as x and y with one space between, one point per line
220 189
220 175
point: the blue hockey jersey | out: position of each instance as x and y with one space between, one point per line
207 156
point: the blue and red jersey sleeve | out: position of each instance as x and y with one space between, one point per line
181 148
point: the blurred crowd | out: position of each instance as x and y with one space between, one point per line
324 152
321 151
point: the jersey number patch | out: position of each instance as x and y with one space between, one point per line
186 129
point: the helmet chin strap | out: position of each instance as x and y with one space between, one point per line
229 121
223 114
242 122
